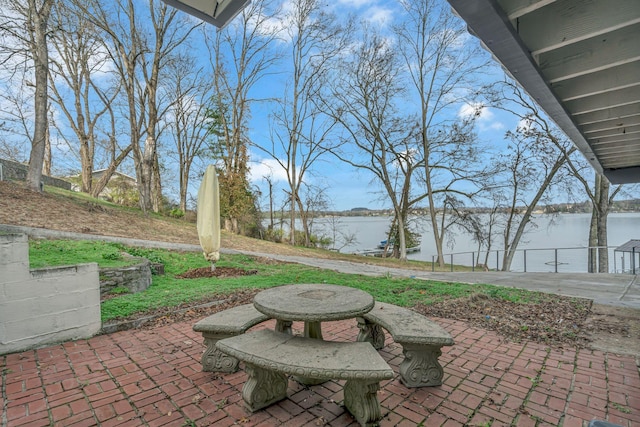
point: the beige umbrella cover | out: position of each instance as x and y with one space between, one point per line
209 216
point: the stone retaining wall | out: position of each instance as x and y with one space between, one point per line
135 278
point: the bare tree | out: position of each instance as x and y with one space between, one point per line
243 54
378 137
17 115
601 200
26 25
339 237
114 153
189 91
79 57
601 196
532 165
140 42
443 69
300 129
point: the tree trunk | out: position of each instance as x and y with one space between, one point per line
437 236
602 196
403 241
304 220
39 21
603 252
512 246
156 189
86 174
146 175
47 161
592 260
184 182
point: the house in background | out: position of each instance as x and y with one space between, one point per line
121 188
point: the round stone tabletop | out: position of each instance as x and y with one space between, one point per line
313 302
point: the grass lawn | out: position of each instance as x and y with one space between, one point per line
168 290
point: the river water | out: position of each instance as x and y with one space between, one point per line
560 232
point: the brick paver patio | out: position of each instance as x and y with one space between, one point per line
152 377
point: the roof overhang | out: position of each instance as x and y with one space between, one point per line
216 12
580 60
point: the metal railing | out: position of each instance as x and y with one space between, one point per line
572 259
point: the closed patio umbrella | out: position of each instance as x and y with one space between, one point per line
209 216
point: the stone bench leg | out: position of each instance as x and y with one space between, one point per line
361 400
284 326
371 333
213 360
263 387
420 367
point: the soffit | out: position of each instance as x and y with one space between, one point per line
580 60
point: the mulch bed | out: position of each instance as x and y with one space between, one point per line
220 272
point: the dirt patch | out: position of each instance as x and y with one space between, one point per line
614 329
220 272
21 206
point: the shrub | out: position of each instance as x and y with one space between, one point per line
176 213
274 235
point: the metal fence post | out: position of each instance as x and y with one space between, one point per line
473 261
556 257
433 263
525 260
452 263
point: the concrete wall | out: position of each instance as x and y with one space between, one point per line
18 172
44 306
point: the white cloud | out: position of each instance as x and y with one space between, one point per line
485 118
266 167
379 16
525 125
356 4
481 112
496 126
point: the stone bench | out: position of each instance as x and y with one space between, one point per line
421 341
270 356
225 324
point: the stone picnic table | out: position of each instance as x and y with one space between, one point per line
312 304
270 356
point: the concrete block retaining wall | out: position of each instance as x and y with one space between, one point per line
15 171
44 306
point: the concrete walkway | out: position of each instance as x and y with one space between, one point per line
621 290
610 289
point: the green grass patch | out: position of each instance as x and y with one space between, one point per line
169 291
49 253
